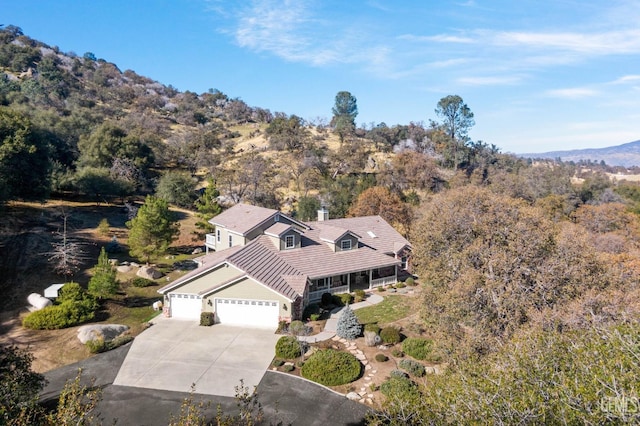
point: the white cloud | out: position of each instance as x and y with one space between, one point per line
490 81
627 79
572 93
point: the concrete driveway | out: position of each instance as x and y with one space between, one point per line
173 354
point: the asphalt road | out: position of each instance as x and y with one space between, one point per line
284 398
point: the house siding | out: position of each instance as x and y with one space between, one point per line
248 289
218 275
354 243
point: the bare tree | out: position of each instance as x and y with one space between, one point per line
66 254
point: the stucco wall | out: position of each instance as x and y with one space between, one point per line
219 275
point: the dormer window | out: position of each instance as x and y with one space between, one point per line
345 244
289 241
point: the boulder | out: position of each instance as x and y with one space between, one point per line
123 268
371 338
38 302
149 272
197 250
353 396
104 331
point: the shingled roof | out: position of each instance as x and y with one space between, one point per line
242 218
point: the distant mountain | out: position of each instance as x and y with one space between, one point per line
626 155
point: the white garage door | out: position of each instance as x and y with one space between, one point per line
185 306
252 313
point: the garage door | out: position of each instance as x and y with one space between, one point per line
185 306
248 312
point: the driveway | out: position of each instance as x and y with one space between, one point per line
172 355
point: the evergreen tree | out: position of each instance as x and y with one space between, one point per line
208 207
103 283
152 230
348 326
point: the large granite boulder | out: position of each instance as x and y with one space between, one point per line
149 272
105 332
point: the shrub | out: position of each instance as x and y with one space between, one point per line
282 327
398 374
326 299
288 347
310 310
401 285
278 362
359 295
299 363
380 289
348 326
331 368
372 327
96 345
342 299
207 319
288 368
373 387
410 282
417 347
398 386
74 306
412 367
390 335
297 328
141 282
381 358
397 353
314 317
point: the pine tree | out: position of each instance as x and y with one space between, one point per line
208 207
348 325
103 283
152 230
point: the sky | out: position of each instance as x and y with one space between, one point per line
539 75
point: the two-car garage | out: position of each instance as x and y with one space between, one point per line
229 311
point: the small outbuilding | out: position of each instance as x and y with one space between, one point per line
52 291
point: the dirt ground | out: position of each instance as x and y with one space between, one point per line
26 234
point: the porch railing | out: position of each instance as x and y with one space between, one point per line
210 241
384 281
317 295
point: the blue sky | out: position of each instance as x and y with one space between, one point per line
538 75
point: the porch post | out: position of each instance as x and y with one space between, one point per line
370 278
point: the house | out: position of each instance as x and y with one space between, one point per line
263 266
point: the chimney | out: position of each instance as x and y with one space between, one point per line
323 214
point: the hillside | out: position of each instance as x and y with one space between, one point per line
625 155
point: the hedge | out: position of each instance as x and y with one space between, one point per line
331 368
390 335
417 347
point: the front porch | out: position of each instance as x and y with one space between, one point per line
346 283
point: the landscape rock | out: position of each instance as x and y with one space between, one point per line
197 250
123 268
149 272
104 331
353 396
38 302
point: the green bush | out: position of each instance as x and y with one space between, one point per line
288 347
398 386
141 282
331 368
412 367
398 374
401 285
299 363
390 335
314 317
417 347
310 310
278 362
381 358
207 319
372 327
410 282
359 295
397 353
380 289
74 306
342 299
297 328
96 345
288 368
99 345
326 299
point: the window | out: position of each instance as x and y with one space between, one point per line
289 241
345 244
403 259
218 235
230 240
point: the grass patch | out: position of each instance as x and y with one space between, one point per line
391 309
